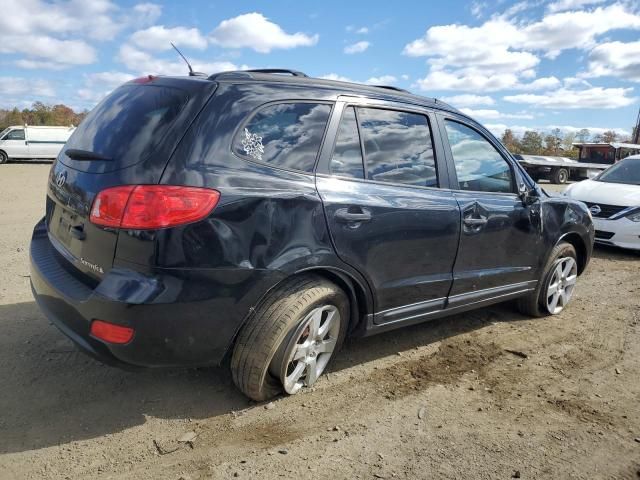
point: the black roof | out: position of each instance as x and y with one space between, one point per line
298 78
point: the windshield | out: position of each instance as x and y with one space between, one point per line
626 171
4 132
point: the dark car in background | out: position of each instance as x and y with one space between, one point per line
263 216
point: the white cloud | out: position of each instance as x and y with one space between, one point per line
255 31
21 86
382 80
54 35
159 38
357 47
144 63
563 5
486 47
108 79
494 114
541 83
615 59
468 100
336 77
147 13
473 81
39 65
500 52
565 98
49 49
354 29
477 8
98 85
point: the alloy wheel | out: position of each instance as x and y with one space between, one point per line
310 348
562 284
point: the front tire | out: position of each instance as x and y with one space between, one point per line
556 286
3 157
291 337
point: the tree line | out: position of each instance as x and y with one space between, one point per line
554 143
41 114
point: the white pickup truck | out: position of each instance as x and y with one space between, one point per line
25 141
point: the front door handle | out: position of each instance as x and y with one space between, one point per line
344 215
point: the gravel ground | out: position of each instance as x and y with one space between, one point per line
447 399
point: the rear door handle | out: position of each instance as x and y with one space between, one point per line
344 215
475 222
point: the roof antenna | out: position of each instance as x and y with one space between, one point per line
191 72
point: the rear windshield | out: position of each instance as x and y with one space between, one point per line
128 125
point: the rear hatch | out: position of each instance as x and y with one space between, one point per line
126 140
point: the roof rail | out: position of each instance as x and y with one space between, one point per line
247 73
295 73
230 74
391 87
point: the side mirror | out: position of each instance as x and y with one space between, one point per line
526 194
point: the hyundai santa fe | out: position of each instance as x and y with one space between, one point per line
264 216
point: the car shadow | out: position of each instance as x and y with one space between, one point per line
52 394
607 252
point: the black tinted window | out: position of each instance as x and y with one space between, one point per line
479 166
129 124
15 135
397 147
286 135
347 154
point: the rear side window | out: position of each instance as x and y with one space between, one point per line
129 124
397 147
347 154
286 135
479 166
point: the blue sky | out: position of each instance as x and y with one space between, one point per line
530 64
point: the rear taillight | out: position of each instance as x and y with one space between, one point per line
142 207
110 332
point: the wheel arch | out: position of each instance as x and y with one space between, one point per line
360 299
576 240
359 296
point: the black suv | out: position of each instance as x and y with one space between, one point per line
265 215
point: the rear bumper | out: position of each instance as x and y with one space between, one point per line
181 318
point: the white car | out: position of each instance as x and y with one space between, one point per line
613 197
26 141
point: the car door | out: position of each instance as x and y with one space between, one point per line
379 178
500 241
15 144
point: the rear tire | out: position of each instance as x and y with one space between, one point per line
289 323
560 176
3 157
539 303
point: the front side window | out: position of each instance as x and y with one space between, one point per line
397 147
286 135
479 166
347 154
15 135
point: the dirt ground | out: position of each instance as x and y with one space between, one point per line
446 399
